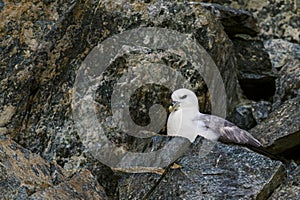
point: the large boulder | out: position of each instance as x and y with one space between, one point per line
276 18
226 171
25 175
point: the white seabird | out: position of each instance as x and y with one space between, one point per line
185 120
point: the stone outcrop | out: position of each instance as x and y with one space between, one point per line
43 46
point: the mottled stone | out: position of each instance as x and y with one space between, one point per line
261 110
280 132
248 114
81 185
276 18
242 116
227 171
235 21
44 43
255 72
291 189
281 52
23 173
285 57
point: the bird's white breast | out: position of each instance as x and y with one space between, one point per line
181 124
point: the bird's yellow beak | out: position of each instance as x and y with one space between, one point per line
174 106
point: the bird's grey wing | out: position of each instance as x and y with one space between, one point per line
227 131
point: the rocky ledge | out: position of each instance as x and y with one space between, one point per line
62 138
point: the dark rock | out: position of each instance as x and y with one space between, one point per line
248 114
261 110
291 189
22 172
276 18
242 116
26 175
81 185
281 52
44 43
285 57
256 75
280 132
226 171
1 5
235 21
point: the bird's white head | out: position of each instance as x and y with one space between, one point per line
184 99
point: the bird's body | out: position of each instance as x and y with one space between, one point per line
185 120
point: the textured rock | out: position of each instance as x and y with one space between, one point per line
291 189
285 57
261 110
280 132
242 116
64 42
23 173
81 185
276 18
26 175
43 43
248 114
254 69
281 52
235 21
227 171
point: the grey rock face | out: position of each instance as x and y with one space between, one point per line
226 171
43 44
276 18
235 21
291 189
255 72
285 57
25 175
281 130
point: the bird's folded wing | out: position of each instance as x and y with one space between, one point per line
236 135
227 132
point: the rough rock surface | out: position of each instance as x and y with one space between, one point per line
285 57
281 130
276 18
42 45
291 189
81 185
26 175
226 171
255 69
235 21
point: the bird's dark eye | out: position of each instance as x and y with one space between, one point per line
183 97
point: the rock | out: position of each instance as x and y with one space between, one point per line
281 52
276 18
248 114
280 132
64 40
229 171
261 110
242 116
43 44
285 58
42 50
82 185
235 21
25 175
291 189
254 69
